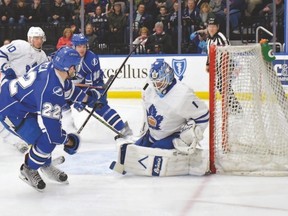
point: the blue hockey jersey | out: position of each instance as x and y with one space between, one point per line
40 92
90 71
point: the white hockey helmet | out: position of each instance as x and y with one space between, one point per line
35 32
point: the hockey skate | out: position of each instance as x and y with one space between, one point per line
32 178
125 132
55 174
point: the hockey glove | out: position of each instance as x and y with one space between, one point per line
93 96
189 138
96 99
66 106
8 72
75 139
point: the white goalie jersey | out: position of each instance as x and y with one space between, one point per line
21 56
166 115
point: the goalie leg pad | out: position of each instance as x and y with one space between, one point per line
155 162
147 161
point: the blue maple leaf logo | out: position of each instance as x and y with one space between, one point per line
154 120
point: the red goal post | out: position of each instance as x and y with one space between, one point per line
248 113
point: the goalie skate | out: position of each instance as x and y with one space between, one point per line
55 174
32 178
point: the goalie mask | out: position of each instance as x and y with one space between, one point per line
38 33
65 58
161 75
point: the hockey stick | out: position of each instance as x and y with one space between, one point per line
106 89
117 167
81 85
106 86
103 122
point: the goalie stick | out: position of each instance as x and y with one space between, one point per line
109 83
117 167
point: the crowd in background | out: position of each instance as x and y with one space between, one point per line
155 22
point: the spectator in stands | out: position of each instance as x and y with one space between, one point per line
117 24
204 11
124 7
7 13
37 12
198 41
159 42
90 35
65 40
99 22
59 13
141 39
237 8
268 9
141 19
160 3
191 19
253 6
74 8
174 24
217 7
21 12
151 7
164 18
91 7
6 41
267 18
109 7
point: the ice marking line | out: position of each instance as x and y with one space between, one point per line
190 203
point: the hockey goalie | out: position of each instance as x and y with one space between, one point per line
175 120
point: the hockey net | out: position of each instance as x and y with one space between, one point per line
248 114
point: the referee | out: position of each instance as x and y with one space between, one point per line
215 37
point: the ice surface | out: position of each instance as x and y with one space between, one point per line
95 190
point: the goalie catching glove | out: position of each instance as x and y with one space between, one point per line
189 138
75 140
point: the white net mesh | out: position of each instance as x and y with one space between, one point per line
250 114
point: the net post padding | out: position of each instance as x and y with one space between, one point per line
248 114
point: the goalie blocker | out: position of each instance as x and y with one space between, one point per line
158 162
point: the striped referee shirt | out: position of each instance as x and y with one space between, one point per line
218 39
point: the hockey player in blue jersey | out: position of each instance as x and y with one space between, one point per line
16 58
90 73
31 108
175 120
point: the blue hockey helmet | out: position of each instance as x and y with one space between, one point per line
79 39
65 58
161 75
